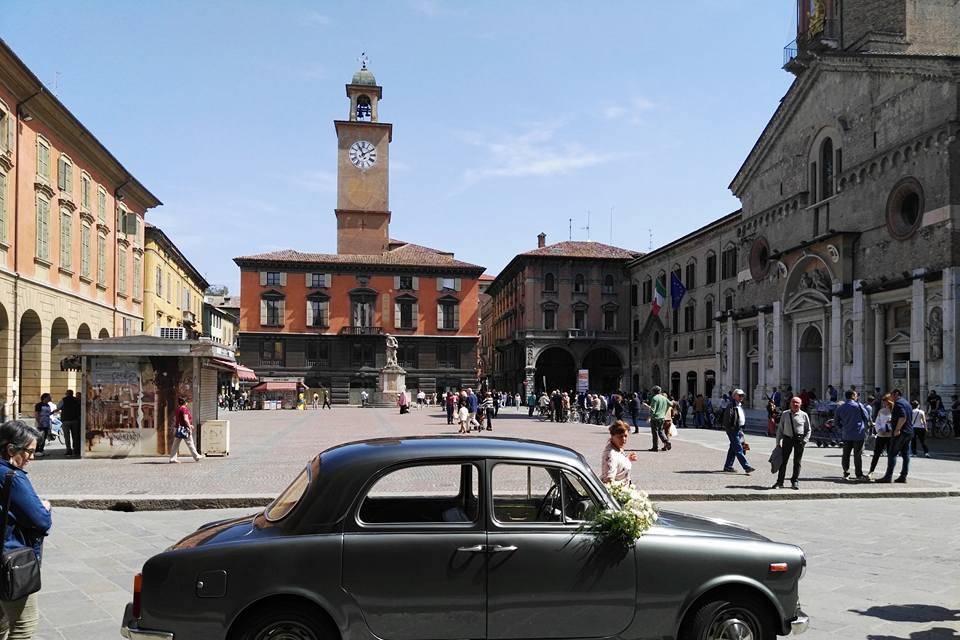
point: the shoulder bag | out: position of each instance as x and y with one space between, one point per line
19 568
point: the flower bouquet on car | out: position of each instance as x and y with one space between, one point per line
625 525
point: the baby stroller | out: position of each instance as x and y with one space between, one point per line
826 434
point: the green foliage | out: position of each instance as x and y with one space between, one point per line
626 524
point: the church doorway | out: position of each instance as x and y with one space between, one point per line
810 361
556 369
605 369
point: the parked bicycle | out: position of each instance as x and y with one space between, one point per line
940 424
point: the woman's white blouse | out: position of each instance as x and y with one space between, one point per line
615 466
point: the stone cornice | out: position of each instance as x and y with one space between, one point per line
6 160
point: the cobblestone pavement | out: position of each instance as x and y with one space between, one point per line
878 569
268 448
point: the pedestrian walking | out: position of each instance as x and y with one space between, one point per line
919 429
315 403
489 411
659 407
793 433
902 420
473 403
853 422
70 416
615 463
883 431
325 398
421 399
450 403
635 412
27 519
516 401
183 421
733 421
463 417
42 412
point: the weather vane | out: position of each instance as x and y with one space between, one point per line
363 60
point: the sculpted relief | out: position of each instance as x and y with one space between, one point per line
848 342
935 334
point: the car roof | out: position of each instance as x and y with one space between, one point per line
341 472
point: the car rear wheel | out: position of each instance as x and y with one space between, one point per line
282 623
743 618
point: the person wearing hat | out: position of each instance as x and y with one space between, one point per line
734 419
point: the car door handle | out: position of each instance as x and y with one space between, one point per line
477 548
500 549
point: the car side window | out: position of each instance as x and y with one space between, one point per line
525 494
434 493
579 505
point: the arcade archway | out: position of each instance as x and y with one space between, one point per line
556 369
605 368
810 360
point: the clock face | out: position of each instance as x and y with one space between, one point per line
363 154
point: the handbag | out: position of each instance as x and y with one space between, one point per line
746 446
183 432
672 430
19 568
871 442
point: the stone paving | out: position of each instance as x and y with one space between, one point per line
268 448
878 569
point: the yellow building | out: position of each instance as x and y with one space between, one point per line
173 289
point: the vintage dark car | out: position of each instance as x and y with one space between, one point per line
439 538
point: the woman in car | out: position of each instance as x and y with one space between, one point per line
615 462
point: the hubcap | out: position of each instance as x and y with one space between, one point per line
286 631
730 626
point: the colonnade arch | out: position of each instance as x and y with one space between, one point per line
60 380
31 360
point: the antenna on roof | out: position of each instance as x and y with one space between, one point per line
570 229
650 246
588 225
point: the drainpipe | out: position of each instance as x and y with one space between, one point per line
16 250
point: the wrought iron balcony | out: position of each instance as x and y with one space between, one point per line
823 34
361 331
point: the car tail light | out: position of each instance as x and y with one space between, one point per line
137 585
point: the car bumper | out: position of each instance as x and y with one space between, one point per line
131 630
799 624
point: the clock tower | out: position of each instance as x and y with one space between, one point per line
363 176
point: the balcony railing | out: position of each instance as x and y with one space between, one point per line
361 331
825 34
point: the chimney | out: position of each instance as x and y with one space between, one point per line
541 241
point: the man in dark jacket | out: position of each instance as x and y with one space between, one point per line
902 421
70 416
852 420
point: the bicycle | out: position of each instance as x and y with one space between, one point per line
544 413
940 425
574 416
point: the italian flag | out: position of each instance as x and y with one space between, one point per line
659 295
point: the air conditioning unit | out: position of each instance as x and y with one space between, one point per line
173 333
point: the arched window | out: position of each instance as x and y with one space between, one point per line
708 311
608 285
647 290
689 316
826 169
579 284
691 274
711 267
549 282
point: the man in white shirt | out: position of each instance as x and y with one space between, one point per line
793 433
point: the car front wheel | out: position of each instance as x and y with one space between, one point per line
281 623
743 618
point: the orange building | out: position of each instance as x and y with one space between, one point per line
71 238
323 317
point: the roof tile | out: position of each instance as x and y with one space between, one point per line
582 249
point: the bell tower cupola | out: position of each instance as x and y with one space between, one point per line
363 169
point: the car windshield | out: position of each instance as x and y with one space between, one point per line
287 500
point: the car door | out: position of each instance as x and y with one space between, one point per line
413 553
545 577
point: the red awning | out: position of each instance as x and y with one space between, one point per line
275 386
245 374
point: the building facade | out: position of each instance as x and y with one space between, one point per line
71 238
323 317
173 302
843 268
676 348
220 326
558 309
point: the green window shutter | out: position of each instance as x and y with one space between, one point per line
263 312
396 283
439 283
396 315
308 279
69 180
328 280
439 316
3 207
416 315
283 278
263 278
456 284
61 175
281 311
456 316
309 313
416 283
325 313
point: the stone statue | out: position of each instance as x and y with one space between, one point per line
821 281
770 350
392 345
848 342
529 356
806 281
723 354
935 334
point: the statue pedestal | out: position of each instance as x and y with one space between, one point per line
393 380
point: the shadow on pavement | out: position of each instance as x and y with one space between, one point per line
911 613
938 633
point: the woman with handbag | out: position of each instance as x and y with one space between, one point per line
26 520
883 430
184 423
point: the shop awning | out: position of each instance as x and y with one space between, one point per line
244 374
275 386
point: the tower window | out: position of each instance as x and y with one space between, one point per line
364 110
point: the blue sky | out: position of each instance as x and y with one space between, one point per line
510 117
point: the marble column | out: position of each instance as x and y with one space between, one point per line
879 347
761 389
731 360
859 338
951 296
836 340
743 380
777 373
918 335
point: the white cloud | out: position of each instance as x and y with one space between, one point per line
430 8
316 19
534 152
631 111
316 181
